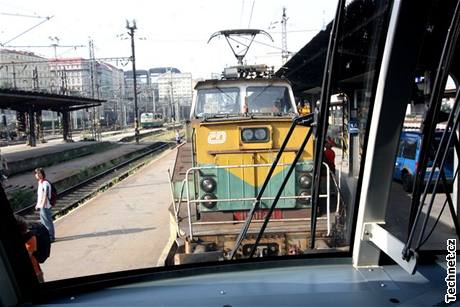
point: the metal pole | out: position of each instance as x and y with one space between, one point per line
284 51
136 116
14 76
171 97
153 101
91 69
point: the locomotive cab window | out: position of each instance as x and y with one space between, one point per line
268 99
218 101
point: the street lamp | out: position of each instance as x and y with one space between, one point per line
131 29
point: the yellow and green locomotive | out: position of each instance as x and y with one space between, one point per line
236 128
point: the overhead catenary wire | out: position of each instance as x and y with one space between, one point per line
296 31
242 11
267 45
23 15
42 46
26 31
66 60
250 16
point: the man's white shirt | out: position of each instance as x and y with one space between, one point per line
43 190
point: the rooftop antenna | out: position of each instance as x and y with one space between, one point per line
234 35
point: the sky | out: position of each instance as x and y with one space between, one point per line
170 33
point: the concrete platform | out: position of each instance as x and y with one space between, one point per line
126 227
20 152
22 158
64 170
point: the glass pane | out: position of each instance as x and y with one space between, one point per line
268 99
217 101
141 212
410 149
357 66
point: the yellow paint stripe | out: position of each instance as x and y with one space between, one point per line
253 176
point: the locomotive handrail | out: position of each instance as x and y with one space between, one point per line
176 207
210 167
252 198
328 200
198 168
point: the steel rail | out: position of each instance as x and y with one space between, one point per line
92 179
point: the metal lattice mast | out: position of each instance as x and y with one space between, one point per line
284 52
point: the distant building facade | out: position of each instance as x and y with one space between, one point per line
71 76
175 90
163 90
23 70
68 76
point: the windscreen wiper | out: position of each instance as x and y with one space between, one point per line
224 116
262 91
449 137
307 121
428 129
323 116
223 92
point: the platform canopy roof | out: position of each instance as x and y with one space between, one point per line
305 69
23 101
353 60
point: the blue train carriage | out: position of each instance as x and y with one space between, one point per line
408 156
152 120
237 127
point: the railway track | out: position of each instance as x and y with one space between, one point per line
73 196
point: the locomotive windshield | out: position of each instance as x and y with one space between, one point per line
259 99
218 101
146 116
268 99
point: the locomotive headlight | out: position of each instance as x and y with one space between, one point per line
209 203
305 181
304 195
208 184
254 135
261 134
247 135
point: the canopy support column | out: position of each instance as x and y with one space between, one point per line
31 140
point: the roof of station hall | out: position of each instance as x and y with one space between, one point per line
24 100
306 68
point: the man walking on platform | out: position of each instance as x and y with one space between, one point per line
43 201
